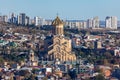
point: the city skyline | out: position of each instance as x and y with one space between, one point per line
79 9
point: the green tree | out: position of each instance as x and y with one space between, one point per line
105 62
32 77
82 54
1 61
25 73
34 70
99 77
45 78
108 55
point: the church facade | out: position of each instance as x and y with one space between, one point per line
62 49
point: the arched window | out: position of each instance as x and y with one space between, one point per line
58 49
57 41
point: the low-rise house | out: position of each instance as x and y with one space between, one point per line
117 52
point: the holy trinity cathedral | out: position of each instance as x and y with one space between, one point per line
61 47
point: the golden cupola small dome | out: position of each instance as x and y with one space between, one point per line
57 21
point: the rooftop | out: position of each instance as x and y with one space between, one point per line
57 21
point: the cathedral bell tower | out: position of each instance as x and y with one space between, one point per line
58 26
61 47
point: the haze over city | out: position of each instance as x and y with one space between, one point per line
67 9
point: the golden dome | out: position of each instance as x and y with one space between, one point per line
57 21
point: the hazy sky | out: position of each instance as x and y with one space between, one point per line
67 9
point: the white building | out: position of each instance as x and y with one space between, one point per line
81 25
76 24
13 18
21 18
84 24
5 18
111 22
27 20
48 22
42 21
114 22
117 52
89 23
95 22
37 21
108 22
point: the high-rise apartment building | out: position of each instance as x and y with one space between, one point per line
108 22
111 22
42 21
31 22
27 20
89 23
48 22
95 22
114 22
13 18
18 19
84 24
76 24
37 21
21 18
5 18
